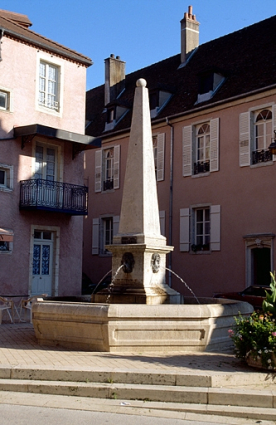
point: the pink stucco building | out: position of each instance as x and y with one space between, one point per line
213 118
42 193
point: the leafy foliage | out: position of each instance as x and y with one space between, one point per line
255 335
269 304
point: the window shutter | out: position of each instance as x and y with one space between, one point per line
273 125
215 227
95 235
98 171
187 150
244 139
116 177
185 229
116 221
214 145
160 156
162 215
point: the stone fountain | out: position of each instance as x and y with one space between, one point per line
139 246
139 312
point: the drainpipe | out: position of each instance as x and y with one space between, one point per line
170 198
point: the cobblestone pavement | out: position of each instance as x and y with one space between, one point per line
19 347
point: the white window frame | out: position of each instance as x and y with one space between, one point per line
189 147
98 233
187 228
100 168
59 156
247 135
8 178
158 142
58 64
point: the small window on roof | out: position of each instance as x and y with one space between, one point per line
208 85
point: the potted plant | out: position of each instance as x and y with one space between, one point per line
254 336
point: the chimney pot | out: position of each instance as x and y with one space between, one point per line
189 34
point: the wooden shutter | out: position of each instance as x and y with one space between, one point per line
185 229
215 227
160 156
95 235
162 215
214 144
187 150
244 139
98 170
273 125
116 177
116 221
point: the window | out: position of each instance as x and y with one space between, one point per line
158 100
255 135
107 164
48 86
6 240
200 148
200 229
159 155
6 177
103 229
262 136
208 85
45 163
202 163
4 100
114 114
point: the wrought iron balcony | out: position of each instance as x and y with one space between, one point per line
262 155
38 194
108 184
201 167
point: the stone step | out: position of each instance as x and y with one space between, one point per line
144 377
155 393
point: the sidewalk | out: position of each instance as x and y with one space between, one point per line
19 348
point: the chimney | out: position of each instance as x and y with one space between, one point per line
114 78
189 34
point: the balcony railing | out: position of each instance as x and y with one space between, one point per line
201 167
262 155
108 184
38 194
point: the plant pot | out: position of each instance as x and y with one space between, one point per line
257 363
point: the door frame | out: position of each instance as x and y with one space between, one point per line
257 240
56 249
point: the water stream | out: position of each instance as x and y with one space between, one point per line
187 286
98 284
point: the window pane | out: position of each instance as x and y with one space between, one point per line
3 100
2 177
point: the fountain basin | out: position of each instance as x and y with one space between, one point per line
137 327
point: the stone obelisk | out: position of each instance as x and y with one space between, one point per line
139 248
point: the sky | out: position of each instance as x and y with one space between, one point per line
141 32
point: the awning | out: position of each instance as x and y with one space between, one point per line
80 141
6 235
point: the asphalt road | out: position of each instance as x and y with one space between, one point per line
29 415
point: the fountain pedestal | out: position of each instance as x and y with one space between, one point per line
141 279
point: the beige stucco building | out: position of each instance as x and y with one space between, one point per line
213 119
42 192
